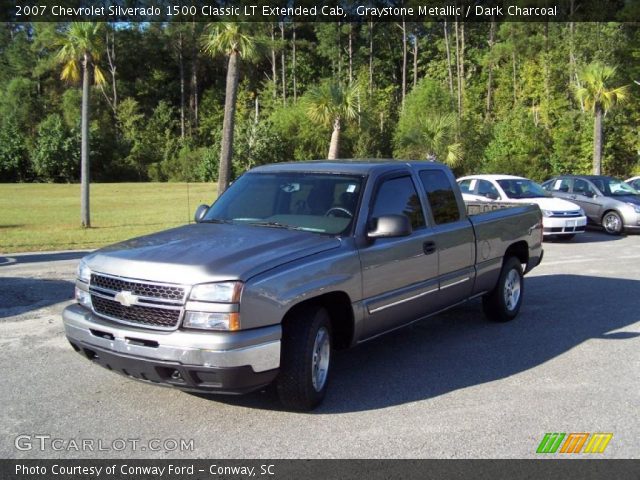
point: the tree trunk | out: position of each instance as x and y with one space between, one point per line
194 90
334 146
274 66
492 33
415 59
448 49
404 60
370 57
597 139
458 75
226 150
111 58
181 65
283 65
294 63
85 216
350 53
515 85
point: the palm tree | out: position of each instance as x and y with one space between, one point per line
437 138
228 38
80 47
329 105
597 96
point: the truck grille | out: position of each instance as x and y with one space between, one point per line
144 304
149 316
168 292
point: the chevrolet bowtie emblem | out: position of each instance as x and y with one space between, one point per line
126 298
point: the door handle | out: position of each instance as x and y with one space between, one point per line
429 247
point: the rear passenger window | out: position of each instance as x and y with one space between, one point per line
441 197
398 196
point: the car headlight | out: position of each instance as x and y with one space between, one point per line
636 208
223 292
547 213
211 321
83 273
83 298
581 212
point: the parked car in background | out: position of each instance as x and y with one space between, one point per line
607 201
561 218
634 182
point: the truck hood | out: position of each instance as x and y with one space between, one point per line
207 252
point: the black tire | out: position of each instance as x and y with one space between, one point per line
295 382
612 223
500 305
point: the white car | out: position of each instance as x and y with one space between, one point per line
560 217
634 182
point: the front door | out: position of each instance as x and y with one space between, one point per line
399 275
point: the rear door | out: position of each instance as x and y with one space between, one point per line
399 275
452 236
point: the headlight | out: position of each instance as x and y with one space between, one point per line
83 298
224 292
84 272
581 211
636 208
547 213
211 321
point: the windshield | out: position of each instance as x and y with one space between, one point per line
612 187
313 202
522 188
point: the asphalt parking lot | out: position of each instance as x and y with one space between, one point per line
455 386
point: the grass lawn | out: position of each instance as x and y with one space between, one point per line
40 216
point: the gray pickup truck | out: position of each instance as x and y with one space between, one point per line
292 261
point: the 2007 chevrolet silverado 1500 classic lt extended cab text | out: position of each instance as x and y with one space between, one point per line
292 261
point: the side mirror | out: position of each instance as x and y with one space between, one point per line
492 196
201 211
388 226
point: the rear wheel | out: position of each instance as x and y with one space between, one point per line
306 359
503 303
612 223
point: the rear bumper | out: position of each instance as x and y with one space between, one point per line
223 362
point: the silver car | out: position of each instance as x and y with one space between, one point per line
607 201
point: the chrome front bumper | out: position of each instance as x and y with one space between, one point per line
258 348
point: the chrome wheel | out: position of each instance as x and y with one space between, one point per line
320 360
612 223
512 290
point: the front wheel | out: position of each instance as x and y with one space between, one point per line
503 303
612 223
305 360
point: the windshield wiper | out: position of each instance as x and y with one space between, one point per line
215 220
284 225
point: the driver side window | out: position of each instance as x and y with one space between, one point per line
398 196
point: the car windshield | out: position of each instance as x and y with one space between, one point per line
522 188
313 202
612 187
